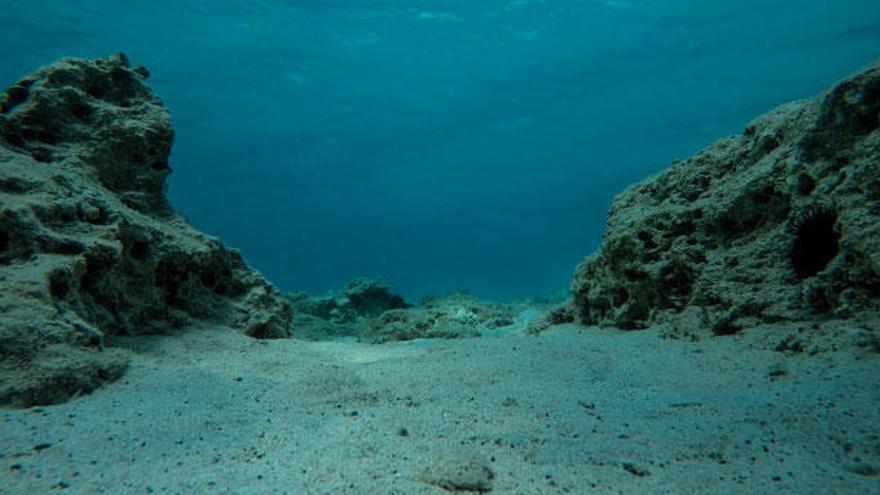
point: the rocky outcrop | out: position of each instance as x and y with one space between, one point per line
361 298
781 223
340 314
417 323
367 309
451 316
89 246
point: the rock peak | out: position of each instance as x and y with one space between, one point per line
97 114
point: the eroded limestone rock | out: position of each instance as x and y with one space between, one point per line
781 223
89 246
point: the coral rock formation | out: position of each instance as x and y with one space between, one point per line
368 310
781 223
417 323
451 316
361 298
339 314
89 246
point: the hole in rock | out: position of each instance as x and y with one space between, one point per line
42 155
14 139
634 275
140 250
4 241
619 297
647 240
805 184
46 137
81 111
59 284
816 242
208 279
95 91
96 267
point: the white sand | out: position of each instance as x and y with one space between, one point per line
572 411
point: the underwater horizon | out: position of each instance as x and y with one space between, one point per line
440 145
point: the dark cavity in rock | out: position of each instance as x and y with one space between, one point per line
816 242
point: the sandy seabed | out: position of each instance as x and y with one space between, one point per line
574 410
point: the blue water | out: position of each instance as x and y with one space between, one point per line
470 144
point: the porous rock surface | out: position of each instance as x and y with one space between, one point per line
89 246
777 224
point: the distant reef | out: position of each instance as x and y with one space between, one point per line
89 246
366 309
778 224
